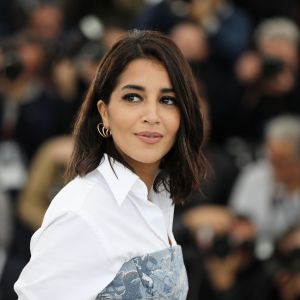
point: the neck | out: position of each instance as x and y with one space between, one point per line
146 173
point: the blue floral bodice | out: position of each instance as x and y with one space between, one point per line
158 275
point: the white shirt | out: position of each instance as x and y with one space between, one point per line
94 225
257 195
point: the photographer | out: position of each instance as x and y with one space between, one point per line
28 107
225 266
268 190
268 77
286 266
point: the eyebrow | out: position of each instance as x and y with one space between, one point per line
141 88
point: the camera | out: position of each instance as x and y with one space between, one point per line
271 66
11 66
220 244
290 261
225 244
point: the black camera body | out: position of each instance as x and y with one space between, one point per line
222 246
225 244
271 66
289 261
11 66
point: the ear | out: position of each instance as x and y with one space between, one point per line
102 109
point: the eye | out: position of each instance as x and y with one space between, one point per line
168 100
132 97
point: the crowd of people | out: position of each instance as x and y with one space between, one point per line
241 233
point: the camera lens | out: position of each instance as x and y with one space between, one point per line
271 66
12 66
222 246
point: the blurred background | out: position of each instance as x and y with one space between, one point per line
241 234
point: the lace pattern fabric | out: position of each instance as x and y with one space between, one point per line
158 275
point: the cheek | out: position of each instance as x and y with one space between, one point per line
120 123
173 123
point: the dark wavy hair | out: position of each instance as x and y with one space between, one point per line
184 166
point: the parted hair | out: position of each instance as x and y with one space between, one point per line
184 166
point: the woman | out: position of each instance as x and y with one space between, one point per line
138 136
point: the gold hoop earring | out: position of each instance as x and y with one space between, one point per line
104 132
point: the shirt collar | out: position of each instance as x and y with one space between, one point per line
119 179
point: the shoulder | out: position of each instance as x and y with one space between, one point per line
255 172
80 207
81 196
252 183
71 251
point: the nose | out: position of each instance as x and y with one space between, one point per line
151 113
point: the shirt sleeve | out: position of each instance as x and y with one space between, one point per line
243 194
67 262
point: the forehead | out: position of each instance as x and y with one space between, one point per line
281 148
145 71
277 47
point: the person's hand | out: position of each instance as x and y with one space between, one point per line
281 83
64 76
289 285
223 271
216 217
248 68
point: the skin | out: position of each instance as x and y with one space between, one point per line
222 271
291 241
285 163
249 65
201 10
191 40
216 217
281 49
289 283
142 101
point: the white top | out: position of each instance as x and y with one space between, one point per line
258 195
94 225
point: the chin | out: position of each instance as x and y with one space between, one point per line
142 155
144 158
147 159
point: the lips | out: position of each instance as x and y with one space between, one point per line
149 137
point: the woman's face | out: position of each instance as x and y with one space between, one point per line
142 113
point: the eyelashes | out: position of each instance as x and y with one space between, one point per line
168 100
133 98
